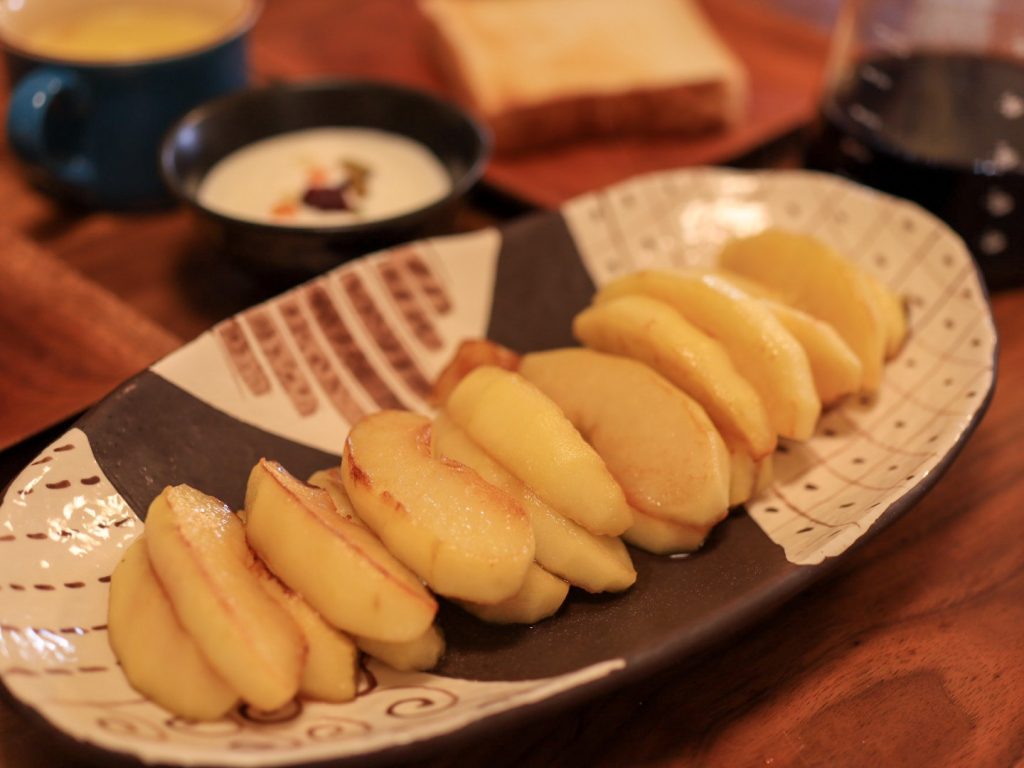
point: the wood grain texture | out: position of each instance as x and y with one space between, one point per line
66 341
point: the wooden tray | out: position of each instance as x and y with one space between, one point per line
386 39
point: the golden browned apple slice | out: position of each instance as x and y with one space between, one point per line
471 354
760 347
566 549
416 655
659 445
199 554
765 475
156 654
465 538
339 566
653 333
332 660
894 315
809 275
837 370
329 479
665 537
541 596
747 477
519 426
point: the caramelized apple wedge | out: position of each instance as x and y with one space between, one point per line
894 315
156 654
665 537
520 427
329 480
416 655
659 445
760 347
809 275
541 596
747 478
198 550
465 538
471 354
342 569
837 371
566 549
331 669
653 333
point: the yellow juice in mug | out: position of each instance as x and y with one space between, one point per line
95 84
123 30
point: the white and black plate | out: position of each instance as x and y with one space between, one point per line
285 379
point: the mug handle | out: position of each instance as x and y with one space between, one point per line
30 120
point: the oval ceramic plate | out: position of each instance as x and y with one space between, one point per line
286 378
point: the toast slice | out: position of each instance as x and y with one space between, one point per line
542 72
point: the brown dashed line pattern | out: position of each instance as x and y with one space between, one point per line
408 305
425 279
337 392
56 486
43 460
282 361
50 587
65 533
383 336
345 348
65 447
54 671
242 358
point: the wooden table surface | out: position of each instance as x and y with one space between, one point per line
911 654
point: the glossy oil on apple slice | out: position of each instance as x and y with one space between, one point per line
521 428
465 538
339 566
653 333
198 550
563 547
156 654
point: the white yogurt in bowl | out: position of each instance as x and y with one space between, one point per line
325 177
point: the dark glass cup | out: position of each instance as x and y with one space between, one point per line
925 99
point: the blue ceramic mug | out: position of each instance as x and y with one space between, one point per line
94 94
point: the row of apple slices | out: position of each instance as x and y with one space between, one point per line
199 621
200 615
690 379
501 504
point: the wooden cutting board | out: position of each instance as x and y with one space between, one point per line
387 39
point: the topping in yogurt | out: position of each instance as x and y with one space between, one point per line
325 177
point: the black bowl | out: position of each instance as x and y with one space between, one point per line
210 132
